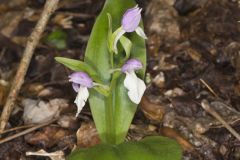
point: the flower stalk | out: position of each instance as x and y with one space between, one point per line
110 117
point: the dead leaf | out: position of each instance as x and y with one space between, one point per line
40 111
47 137
152 111
194 54
159 80
87 135
68 121
171 133
4 87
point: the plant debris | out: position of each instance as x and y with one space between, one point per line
193 55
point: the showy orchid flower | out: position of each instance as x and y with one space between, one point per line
134 85
80 83
130 23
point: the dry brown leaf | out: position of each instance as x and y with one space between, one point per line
87 135
171 133
47 137
152 111
4 87
68 121
194 54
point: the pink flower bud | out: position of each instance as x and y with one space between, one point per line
131 19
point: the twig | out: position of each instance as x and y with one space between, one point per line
209 88
78 15
206 107
16 128
49 8
25 132
58 155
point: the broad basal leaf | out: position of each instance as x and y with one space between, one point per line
150 148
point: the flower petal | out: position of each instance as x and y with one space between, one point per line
141 33
131 19
135 86
81 78
132 65
75 86
116 39
81 98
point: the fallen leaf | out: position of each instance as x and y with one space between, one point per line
68 121
40 111
171 133
87 135
47 137
152 111
4 87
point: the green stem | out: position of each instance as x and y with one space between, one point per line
110 122
111 135
111 59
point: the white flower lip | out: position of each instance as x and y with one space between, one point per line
80 83
135 86
81 98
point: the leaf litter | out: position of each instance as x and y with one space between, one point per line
189 42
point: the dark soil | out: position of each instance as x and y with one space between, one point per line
193 55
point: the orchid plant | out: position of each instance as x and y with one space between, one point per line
111 77
114 91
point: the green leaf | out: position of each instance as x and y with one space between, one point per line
57 39
102 90
109 32
150 148
97 55
77 65
127 45
112 39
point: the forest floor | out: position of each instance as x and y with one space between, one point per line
193 51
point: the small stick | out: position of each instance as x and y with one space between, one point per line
206 106
16 128
209 88
44 153
25 131
58 155
49 8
